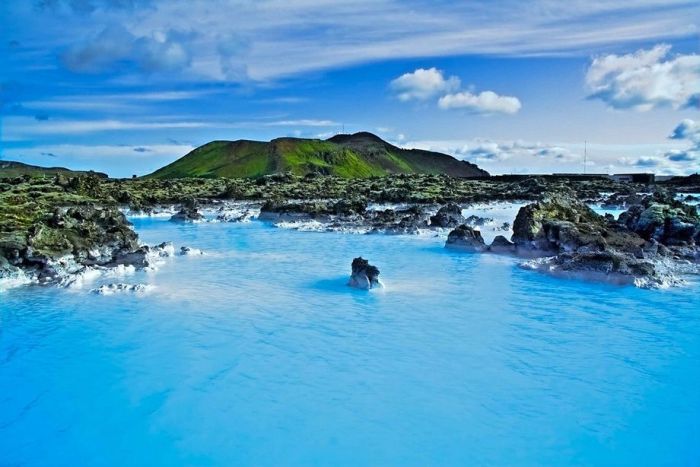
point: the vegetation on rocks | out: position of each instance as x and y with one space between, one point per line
360 155
44 217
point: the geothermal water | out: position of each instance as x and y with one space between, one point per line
257 353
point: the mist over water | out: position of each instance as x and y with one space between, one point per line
258 353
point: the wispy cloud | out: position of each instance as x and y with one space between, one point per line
21 126
17 127
303 122
263 40
126 101
518 156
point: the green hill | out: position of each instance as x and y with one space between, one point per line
349 156
11 169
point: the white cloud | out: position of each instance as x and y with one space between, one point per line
486 102
687 130
528 155
646 79
422 84
642 162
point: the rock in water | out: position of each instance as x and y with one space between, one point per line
364 275
187 215
557 223
476 221
665 220
449 215
465 238
501 244
189 251
111 289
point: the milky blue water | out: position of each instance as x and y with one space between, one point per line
258 354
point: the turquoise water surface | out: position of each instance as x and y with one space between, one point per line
258 354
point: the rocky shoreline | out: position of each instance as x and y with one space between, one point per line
54 229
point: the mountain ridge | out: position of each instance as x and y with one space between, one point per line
356 155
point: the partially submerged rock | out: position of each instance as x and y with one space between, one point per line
189 251
72 238
111 289
449 215
187 215
476 221
607 266
501 244
466 238
364 275
573 241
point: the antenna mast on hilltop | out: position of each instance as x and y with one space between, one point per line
585 156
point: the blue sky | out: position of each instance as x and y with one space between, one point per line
126 86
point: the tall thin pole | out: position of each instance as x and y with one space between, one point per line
585 156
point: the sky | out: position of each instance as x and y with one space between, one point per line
127 86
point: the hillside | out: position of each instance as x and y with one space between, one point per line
350 156
11 169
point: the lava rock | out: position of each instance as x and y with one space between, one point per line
449 215
364 275
187 215
663 219
465 238
476 221
501 244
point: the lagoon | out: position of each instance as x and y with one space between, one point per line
257 353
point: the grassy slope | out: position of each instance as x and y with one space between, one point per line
351 156
11 169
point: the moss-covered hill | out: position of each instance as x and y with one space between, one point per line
9 169
349 156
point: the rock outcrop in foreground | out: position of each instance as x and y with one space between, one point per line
565 237
364 275
72 238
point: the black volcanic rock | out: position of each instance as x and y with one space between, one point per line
449 215
465 238
364 275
